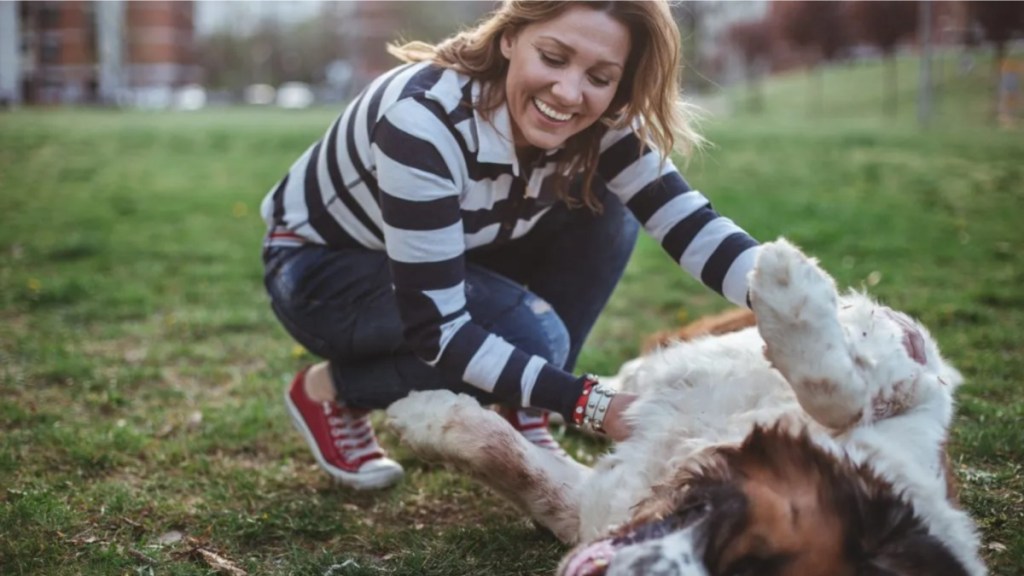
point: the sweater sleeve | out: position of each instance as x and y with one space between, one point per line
709 246
420 171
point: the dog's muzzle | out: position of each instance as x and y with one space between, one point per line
668 547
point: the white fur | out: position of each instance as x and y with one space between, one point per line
835 364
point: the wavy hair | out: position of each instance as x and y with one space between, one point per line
649 90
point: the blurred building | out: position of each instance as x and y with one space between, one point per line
78 51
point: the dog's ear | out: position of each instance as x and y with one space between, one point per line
891 539
895 542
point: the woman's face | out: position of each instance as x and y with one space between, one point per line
563 74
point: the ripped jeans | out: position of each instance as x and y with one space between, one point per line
542 293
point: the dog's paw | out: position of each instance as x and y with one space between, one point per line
419 417
788 284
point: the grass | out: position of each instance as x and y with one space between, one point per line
141 430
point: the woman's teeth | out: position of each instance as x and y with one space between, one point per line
550 112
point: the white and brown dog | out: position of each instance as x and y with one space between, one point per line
811 445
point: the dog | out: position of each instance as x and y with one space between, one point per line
811 444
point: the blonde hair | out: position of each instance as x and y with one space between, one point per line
649 90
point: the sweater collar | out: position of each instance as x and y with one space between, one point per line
497 144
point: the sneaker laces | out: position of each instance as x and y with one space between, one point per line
353 435
533 425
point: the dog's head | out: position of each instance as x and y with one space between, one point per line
776 505
888 344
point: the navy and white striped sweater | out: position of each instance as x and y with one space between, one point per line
410 168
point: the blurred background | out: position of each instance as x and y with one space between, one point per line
193 54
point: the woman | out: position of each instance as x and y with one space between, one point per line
466 219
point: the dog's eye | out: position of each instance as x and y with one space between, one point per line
690 509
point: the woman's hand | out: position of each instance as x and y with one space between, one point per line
615 425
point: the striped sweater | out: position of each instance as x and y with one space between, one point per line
411 169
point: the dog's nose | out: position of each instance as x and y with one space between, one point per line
678 553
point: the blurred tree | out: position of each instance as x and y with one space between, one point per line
1000 21
690 17
754 42
884 23
265 49
819 27
273 52
219 55
375 24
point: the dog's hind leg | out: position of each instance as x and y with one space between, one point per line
455 429
797 315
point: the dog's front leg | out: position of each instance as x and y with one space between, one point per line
456 430
797 316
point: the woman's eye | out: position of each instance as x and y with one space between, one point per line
548 59
598 81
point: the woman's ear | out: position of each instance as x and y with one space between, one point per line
507 39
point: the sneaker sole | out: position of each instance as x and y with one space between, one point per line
375 480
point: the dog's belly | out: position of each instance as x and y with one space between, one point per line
691 401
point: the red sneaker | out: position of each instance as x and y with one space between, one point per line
533 425
341 439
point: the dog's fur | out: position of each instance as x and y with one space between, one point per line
810 445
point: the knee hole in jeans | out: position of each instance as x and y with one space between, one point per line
553 344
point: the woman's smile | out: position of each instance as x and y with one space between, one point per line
550 113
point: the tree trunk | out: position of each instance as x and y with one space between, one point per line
997 80
924 84
890 102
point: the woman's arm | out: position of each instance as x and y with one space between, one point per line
709 246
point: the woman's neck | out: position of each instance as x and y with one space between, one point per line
528 156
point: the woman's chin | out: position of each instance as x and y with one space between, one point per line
545 141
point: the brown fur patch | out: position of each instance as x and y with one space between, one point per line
729 321
952 487
500 463
786 516
896 401
780 505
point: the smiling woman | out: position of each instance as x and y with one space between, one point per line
464 222
562 75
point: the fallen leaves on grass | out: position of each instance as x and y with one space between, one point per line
219 563
996 546
168 538
200 551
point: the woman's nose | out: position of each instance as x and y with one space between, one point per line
568 90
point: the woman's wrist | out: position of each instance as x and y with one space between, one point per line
616 426
591 408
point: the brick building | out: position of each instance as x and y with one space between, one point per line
78 51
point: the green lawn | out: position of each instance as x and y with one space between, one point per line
141 368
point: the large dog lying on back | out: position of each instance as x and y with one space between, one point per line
811 445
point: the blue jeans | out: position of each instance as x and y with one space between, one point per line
542 293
